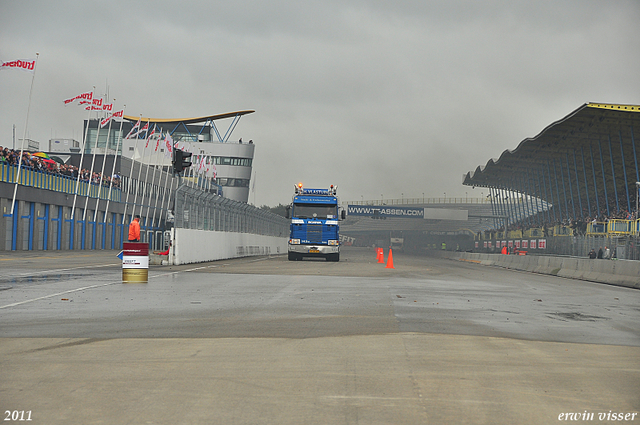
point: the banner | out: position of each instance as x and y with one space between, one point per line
82 98
134 130
385 211
105 121
150 136
28 65
169 146
203 167
158 140
96 105
143 130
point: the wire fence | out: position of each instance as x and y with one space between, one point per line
196 209
623 248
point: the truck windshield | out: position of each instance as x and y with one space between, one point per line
315 211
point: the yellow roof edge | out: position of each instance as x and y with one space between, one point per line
188 120
626 108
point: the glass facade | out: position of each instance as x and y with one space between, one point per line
225 160
223 181
114 137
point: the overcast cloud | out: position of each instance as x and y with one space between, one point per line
384 99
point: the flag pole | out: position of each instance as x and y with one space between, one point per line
146 175
135 198
26 122
84 143
104 161
130 179
93 161
153 179
166 177
113 169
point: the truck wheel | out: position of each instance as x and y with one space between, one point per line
333 257
293 256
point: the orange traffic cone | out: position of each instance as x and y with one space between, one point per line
390 260
380 255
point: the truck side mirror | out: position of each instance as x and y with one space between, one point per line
287 211
343 215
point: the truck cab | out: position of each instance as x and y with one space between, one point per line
315 231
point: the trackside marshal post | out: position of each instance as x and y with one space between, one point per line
135 262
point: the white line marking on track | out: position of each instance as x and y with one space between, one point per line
90 287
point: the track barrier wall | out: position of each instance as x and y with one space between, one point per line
615 272
209 227
197 246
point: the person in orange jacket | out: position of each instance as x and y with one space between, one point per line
134 230
504 250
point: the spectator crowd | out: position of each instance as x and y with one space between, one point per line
579 225
49 166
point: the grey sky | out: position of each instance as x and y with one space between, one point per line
380 98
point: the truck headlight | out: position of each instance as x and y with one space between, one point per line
294 241
333 242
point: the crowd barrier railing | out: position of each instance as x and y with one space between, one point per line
614 227
562 231
534 232
620 227
514 234
56 182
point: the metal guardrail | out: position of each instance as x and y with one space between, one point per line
615 227
196 209
420 201
611 228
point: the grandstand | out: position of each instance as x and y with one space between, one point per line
584 167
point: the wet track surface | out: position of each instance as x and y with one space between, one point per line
265 340
272 297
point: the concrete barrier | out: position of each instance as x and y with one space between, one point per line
197 246
615 272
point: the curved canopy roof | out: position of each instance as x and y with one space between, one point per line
193 120
588 157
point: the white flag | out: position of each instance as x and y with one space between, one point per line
134 130
28 65
96 105
105 121
169 145
82 98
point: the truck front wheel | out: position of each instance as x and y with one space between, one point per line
294 256
333 257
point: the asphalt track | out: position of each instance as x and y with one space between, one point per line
268 341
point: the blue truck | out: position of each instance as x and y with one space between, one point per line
314 224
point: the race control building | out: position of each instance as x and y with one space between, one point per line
230 161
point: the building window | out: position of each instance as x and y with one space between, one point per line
225 160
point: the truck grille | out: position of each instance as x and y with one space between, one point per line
314 233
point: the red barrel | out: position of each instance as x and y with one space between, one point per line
135 262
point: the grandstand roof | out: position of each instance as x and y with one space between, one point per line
573 159
188 120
